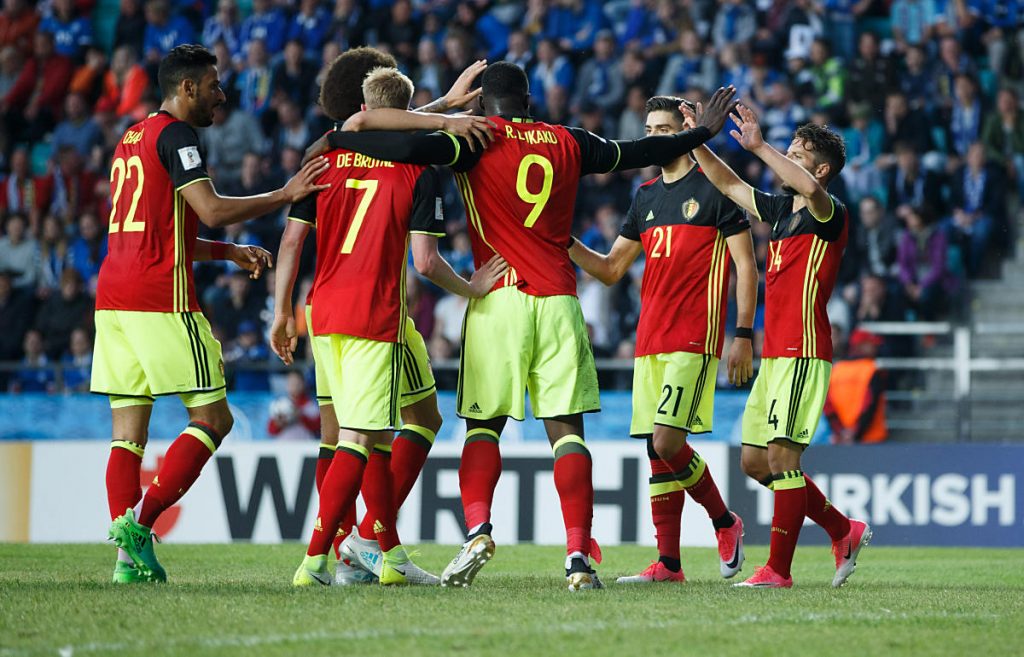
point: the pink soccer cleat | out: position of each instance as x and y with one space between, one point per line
766 578
847 548
730 548
656 572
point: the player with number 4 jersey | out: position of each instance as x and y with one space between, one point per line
151 337
528 334
687 230
810 228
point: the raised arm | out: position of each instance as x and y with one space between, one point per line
608 269
461 94
438 148
216 211
741 353
721 174
790 172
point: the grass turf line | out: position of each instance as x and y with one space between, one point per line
234 599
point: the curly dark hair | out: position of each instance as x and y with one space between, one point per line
826 144
342 92
185 62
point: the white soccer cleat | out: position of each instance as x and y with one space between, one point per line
402 561
362 553
475 553
348 574
847 548
579 575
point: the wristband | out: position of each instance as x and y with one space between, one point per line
218 250
744 332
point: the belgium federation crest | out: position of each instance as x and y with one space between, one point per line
690 209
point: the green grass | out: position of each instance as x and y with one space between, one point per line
231 600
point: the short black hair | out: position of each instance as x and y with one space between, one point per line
505 80
185 62
668 104
341 94
826 144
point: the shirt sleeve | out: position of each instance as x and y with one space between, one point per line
427 207
731 220
772 208
631 226
178 149
304 211
437 148
597 154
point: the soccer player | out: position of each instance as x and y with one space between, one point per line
360 555
151 337
528 333
341 96
687 229
358 322
810 228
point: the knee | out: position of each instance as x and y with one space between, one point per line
222 422
666 447
433 421
755 466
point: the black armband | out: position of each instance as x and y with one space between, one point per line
745 332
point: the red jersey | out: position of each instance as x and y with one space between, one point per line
803 263
363 223
152 231
520 194
683 226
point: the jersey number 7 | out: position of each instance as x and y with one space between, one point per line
370 190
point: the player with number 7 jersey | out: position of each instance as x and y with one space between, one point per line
528 334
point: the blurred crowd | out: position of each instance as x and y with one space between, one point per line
925 92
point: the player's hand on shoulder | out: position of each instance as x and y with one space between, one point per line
318 147
749 132
483 279
476 130
713 115
303 183
740 365
283 338
253 259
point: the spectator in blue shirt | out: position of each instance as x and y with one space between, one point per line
71 34
77 362
266 24
841 26
690 68
965 118
735 22
78 129
574 24
600 78
552 70
248 349
88 250
34 375
223 26
256 81
164 31
912 21
310 26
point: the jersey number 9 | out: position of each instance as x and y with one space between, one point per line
540 199
121 170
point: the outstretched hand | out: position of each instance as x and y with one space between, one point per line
461 94
718 108
749 133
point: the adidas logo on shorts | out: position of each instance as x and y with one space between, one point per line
474 409
803 434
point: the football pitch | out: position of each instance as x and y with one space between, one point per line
237 599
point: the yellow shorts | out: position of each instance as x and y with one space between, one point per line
364 377
417 376
675 390
786 401
514 342
142 355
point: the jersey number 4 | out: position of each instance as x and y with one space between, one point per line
369 188
541 198
120 171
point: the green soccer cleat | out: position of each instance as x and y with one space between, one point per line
137 541
313 571
393 567
127 573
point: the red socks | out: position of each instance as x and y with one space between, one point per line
479 471
575 486
323 463
124 487
821 511
692 472
408 454
339 491
182 464
667 499
790 508
378 494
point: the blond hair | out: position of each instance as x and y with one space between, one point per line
387 87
